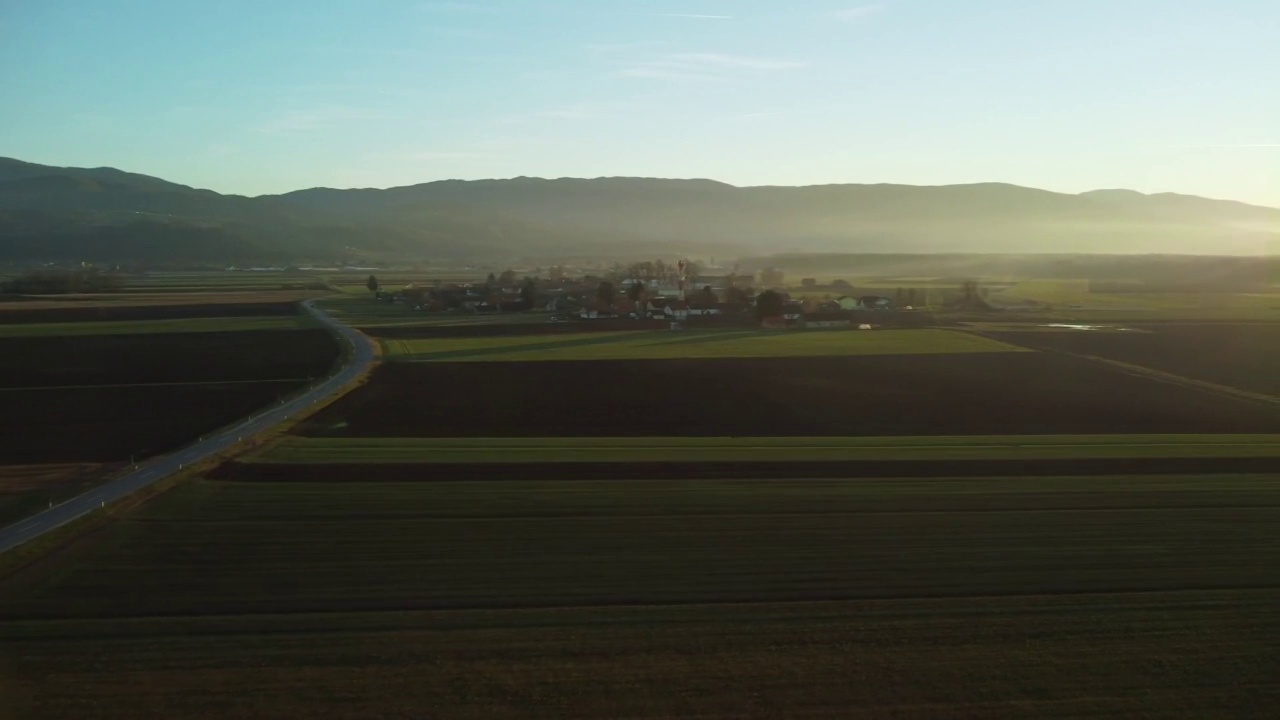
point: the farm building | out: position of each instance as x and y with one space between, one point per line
865 302
792 312
827 320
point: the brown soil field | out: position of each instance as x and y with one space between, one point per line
108 423
973 394
1244 356
23 478
45 361
25 489
513 329
159 307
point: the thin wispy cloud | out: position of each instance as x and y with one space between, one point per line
755 115
861 12
427 155
574 112
221 150
1244 145
312 120
704 66
458 32
461 7
344 92
625 47
437 155
690 16
733 61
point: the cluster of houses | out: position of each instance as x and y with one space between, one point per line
468 297
705 309
712 301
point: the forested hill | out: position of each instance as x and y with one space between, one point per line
107 214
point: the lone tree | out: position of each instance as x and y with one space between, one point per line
372 284
507 278
636 291
604 294
768 304
529 291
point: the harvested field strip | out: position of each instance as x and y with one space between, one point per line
157 306
416 472
777 449
220 548
693 344
147 327
443 349
903 598
517 497
1134 655
159 384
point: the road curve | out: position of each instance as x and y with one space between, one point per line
162 466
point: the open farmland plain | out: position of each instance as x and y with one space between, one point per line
660 598
512 523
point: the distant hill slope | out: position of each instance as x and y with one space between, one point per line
107 214
851 218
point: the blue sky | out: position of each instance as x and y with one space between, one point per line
274 95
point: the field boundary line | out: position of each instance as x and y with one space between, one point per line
1153 374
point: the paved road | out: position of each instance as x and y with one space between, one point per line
160 467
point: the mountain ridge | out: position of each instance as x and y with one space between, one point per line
607 217
106 170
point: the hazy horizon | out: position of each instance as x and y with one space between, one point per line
656 178
253 98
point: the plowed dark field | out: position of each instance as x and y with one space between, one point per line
108 423
54 360
102 398
973 394
1241 356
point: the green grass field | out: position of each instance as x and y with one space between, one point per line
357 308
663 344
906 598
294 449
145 327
